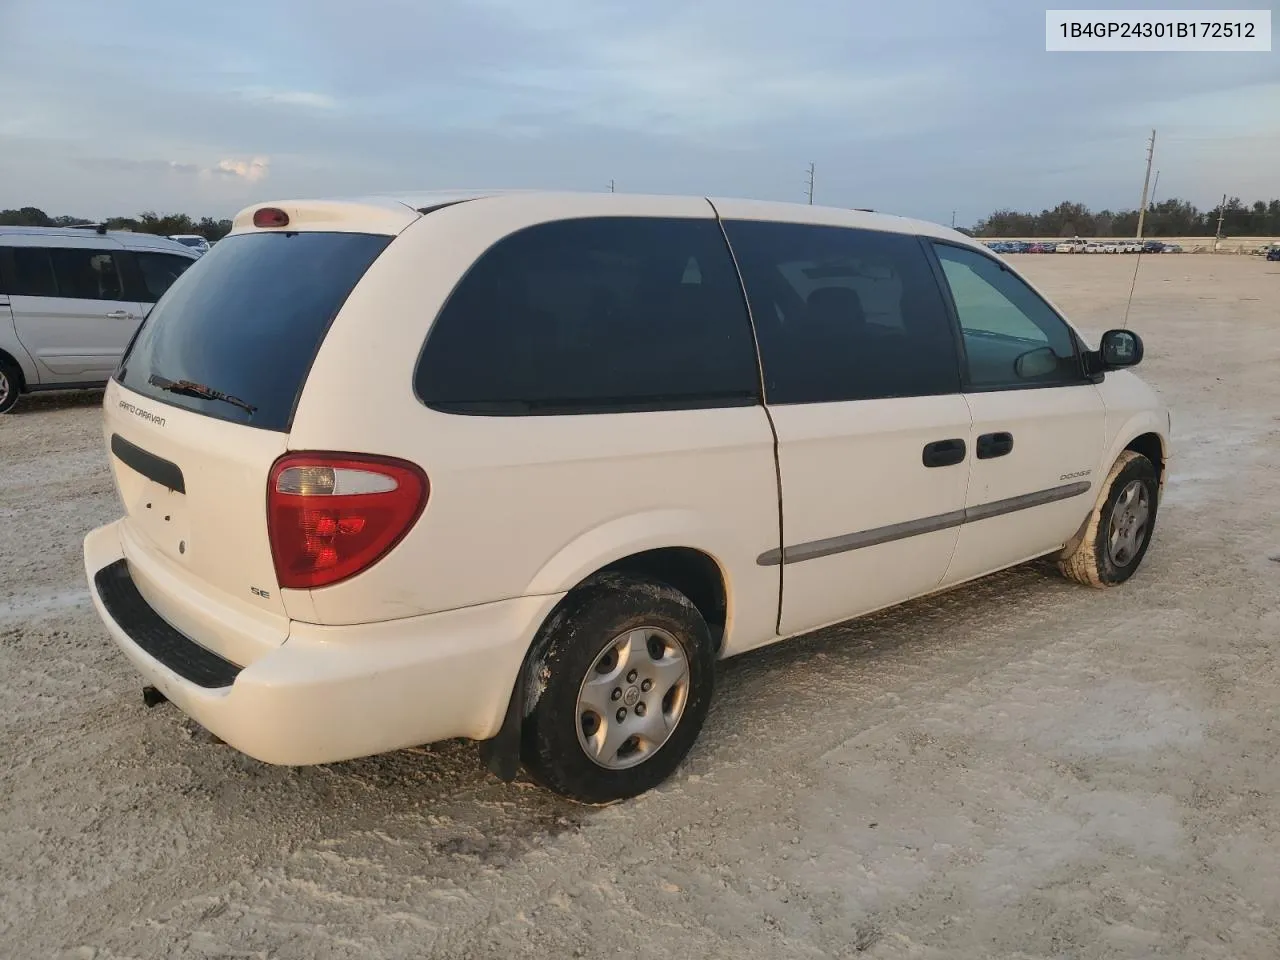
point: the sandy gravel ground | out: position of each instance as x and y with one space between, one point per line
1020 768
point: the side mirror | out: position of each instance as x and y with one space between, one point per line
1119 349
1035 364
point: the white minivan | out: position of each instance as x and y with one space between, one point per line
520 468
72 299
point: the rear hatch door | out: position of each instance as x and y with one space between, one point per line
201 408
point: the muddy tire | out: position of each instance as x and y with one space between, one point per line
10 386
1118 532
621 683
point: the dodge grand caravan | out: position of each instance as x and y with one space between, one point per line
520 468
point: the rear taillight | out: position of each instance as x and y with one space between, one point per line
331 516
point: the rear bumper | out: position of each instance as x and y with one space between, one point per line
327 693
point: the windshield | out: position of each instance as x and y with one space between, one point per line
246 321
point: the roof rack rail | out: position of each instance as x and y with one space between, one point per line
100 228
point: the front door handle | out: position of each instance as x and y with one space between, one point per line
991 445
943 453
119 315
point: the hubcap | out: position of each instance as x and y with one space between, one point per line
632 697
1129 523
4 387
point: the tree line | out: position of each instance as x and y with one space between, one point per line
1168 218
165 225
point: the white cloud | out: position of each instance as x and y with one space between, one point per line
251 170
291 98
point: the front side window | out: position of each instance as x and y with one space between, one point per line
86 274
159 271
1012 338
593 315
844 314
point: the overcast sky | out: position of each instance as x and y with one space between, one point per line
909 106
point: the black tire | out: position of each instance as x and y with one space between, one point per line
10 386
1090 561
586 623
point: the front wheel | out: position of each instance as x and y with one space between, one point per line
621 686
1119 530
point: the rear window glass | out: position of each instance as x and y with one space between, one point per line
594 315
245 322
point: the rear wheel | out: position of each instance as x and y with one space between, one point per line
622 685
10 386
1119 530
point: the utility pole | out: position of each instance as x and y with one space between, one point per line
1222 212
611 186
953 219
1142 209
810 183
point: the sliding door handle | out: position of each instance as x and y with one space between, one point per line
991 445
943 453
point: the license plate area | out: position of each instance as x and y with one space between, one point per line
154 493
161 516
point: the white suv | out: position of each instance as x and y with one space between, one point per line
520 468
71 300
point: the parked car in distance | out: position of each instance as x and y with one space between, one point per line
192 241
70 301
325 435
1171 248
1074 245
1152 246
1130 246
1273 252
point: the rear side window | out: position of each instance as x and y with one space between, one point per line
247 324
159 271
86 274
32 270
844 314
603 314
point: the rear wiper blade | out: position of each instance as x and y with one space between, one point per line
189 388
